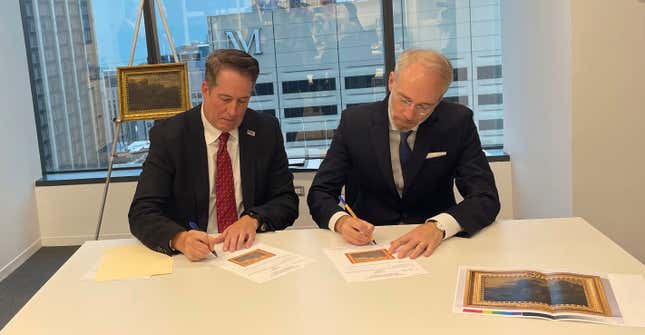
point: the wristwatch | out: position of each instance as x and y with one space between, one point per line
440 226
262 227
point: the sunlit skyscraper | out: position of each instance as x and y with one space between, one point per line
64 69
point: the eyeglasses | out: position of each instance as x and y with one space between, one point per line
421 109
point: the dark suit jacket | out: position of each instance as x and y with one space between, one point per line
173 187
359 159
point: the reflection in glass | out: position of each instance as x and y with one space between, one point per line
316 58
73 49
468 32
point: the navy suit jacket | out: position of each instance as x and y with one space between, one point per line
173 188
359 159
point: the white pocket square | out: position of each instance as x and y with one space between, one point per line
436 154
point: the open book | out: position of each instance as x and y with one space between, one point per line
547 292
528 293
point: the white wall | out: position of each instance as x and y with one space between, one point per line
574 83
68 214
536 61
20 163
609 118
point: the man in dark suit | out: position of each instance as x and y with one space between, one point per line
398 159
217 168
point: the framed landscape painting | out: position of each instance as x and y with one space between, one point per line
152 92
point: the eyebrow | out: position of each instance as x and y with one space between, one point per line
226 96
404 96
419 104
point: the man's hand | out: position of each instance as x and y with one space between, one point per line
239 235
355 231
420 240
194 244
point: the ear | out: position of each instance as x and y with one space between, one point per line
204 88
390 81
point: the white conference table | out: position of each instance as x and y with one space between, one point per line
202 299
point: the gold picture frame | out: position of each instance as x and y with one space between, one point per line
369 256
152 92
251 257
549 292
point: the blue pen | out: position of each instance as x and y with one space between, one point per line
193 226
349 209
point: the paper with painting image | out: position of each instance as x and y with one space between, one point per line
551 294
260 263
372 262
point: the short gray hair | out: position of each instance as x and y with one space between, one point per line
430 59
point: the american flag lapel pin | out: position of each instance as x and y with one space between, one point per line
250 132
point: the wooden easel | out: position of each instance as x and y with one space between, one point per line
117 121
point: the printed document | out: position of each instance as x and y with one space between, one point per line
260 263
373 262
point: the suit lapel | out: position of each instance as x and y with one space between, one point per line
247 150
380 140
422 144
198 160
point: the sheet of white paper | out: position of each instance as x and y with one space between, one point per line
630 294
181 262
372 270
274 264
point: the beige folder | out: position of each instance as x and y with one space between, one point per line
132 261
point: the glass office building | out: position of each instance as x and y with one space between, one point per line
61 48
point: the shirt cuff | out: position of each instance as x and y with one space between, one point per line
334 218
447 223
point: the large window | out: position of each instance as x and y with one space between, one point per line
317 57
468 33
73 48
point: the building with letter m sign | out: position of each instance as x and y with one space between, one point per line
236 41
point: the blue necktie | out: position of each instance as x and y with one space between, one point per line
404 153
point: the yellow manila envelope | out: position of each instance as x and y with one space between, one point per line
132 261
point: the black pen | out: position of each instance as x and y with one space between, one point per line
193 225
350 211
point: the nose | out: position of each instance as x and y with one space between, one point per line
231 109
408 112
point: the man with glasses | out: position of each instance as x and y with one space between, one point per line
398 160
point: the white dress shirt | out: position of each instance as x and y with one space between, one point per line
444 221
211 136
